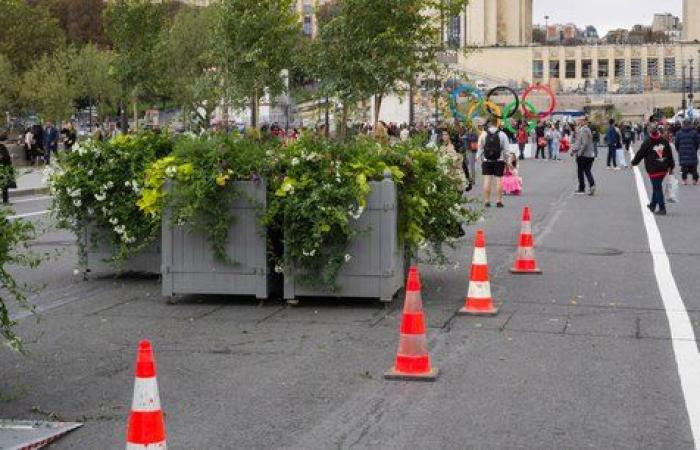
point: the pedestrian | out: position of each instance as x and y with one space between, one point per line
584 150
540 140
687 144
658 162
493 149
612 137
472 151
522 139
554 142
7 174
29 145
627 136
50 141
512 182
38 136
69 136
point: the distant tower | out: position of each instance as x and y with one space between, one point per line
691 20
499 22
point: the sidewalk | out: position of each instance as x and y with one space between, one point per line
29 182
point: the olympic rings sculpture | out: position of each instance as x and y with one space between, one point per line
478 101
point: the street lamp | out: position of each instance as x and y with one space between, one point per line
684 105
546 29
690 94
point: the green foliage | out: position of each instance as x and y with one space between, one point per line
27 32
91 77
98 185
134 27
8 84
14 252
46 87
189 63
255 39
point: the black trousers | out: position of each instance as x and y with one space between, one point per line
537 154
5 195
522 150
690 170
585 166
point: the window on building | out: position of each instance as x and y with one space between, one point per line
636 68
619 68
570 69
454 32
653 67
670 67
586 68
308 26
603 68
554 69
537 69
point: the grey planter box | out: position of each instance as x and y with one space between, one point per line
190 267
377 267
98 254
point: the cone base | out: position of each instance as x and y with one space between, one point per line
536 271
478 312
394 375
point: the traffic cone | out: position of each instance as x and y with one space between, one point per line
146 426
479 301
412 359
525 262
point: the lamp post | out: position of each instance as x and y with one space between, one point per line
690 94
684 105
546 29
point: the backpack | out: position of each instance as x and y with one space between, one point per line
492 146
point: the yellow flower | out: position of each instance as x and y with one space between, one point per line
221 180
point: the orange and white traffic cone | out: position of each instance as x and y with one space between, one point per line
412 359
479 301
525 262
146 425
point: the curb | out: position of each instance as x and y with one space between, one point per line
14 193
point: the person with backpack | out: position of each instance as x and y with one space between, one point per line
658 162
612 137
687 144
493 150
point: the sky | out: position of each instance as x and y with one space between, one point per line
605 15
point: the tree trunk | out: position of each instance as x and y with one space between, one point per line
254 110
344 120
136 117
377 108
124 118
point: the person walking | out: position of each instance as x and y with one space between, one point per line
687 144
522 138
29 145
540 140
7 174
554 142
69 136
493 150
612 137
584 150
50 141
658 162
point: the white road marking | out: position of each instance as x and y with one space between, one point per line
33 199
32 214
683 340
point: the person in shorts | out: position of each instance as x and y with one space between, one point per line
493 151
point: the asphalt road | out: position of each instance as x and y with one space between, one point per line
580 357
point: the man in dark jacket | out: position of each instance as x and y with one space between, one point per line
50 141
7 179
687 143
658 161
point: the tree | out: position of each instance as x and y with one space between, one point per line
134 27
46 89
385 48
27 33
81 20
189 62
91 77
255 41
8 85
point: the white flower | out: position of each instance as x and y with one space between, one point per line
78 203
171 171
120 229
76 193
90 211
295 161
90 172
311 253
358 213
110 184
113 220
127 183
100 197
348 258
279 269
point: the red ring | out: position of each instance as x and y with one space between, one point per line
552 101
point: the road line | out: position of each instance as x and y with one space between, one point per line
33 214
33 199
685 347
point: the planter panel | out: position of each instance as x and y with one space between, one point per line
98 252
190 267
377 267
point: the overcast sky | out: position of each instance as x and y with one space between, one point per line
605 15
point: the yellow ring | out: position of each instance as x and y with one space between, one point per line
490 105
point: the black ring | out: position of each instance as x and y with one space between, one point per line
512 92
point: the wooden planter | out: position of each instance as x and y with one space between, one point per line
98 254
